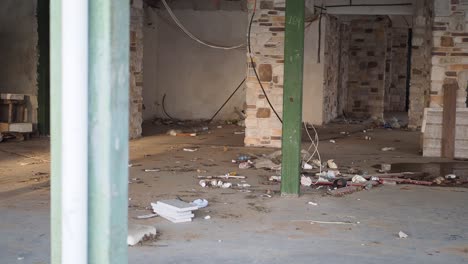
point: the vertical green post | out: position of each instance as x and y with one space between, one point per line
292 97
43 66
108 130
56 128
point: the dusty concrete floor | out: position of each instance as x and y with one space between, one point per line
245 227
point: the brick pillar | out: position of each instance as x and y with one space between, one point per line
267 41
420 62
136 69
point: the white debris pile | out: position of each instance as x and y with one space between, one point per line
174 210
137 233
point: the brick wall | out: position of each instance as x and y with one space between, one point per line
450 51
331 63
366 83
345 38
420 62
267 41
395 92
136 69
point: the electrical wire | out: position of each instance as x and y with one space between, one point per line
252 63
229 98
178 23
164 107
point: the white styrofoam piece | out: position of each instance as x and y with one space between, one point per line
177 205
160 211
21 127
175 220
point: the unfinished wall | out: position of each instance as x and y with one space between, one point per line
366 83
196 79
331 64
136 69
420 62
267 40
343 62
18 51
450 51
314 77
395 92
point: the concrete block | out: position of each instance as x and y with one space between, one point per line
8 96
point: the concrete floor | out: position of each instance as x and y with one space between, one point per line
245 227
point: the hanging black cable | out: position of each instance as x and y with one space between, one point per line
319 45
164 107
252 64
229 98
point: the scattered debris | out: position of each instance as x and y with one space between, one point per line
345 190
450 176
245 165
265 163
175 210
401 234
332 141
275 178
439 180
358 179
312 203
306 181
239 132
200 203
137 233
331 164
152 170
226 185
385 167
243 185
226 176
388 149
190 149
207 217
307 166
147 216
368 138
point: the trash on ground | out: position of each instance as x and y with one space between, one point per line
265 163
147 216
332 141
306 181
307 166
152 170
331 164
226 185
207 217
243 185
226 176
245 165
190 149
137 233
388 149
239 132
175 210
312 203
345 190
368 138
358 179
200 203
439 180
275 178
402 234
450 176
385 167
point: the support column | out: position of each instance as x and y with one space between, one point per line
108 130
55 130
292 97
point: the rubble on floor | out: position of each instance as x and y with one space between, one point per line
139 233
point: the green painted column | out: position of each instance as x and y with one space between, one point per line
55 133
43 66
108 130
292 97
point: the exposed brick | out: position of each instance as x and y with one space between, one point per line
267 4
446 41
265 72
263 113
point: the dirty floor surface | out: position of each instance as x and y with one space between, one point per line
246 227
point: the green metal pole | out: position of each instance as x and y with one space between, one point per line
108 130
56 128
43 66
292 97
